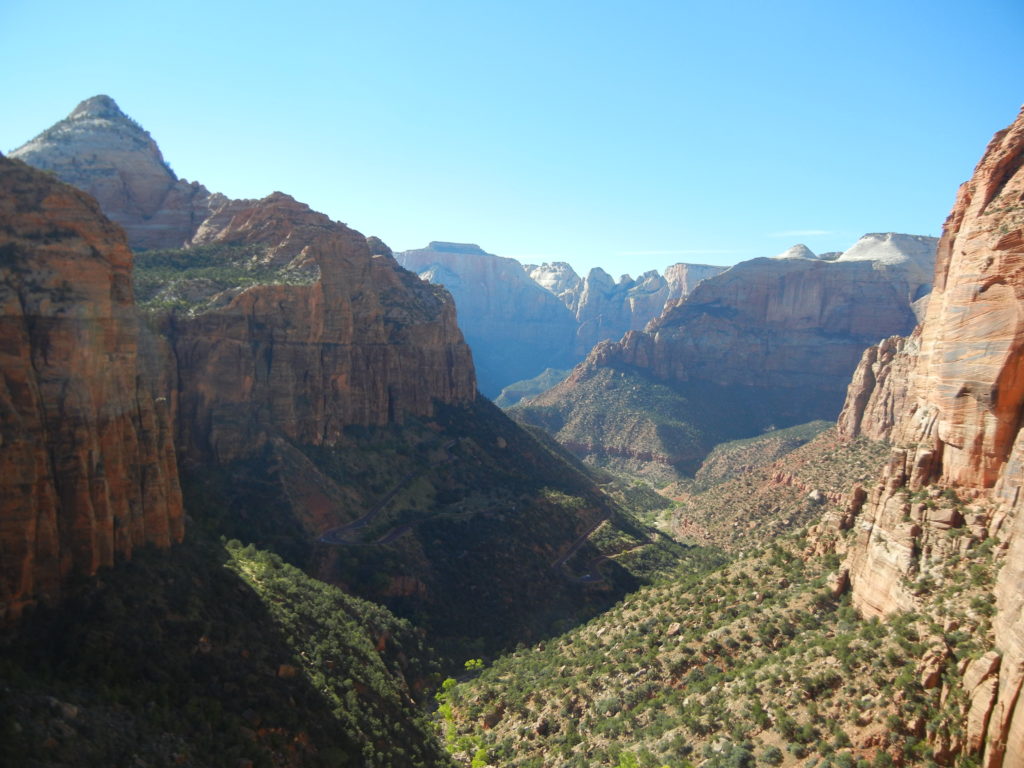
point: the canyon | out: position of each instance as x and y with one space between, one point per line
209 446
304 380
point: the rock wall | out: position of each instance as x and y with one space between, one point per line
515 328
950 399
365 344
87 468
606 309
799 323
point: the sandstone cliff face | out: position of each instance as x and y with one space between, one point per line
797 322
515 328
102 151
365 344
950 398
87 469
683 278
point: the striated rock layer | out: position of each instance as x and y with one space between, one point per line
102 151
950 398
797 323
87 468
366 344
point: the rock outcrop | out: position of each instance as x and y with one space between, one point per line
515 328
769 342
798 322
366 344
102 151
87 467
606 309
950 398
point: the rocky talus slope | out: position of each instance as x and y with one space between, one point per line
515 328
87 466
102 151
767 343
950 400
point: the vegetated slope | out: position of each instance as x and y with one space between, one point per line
213 656
621 418
767 342
739 498
521 390
736 456
464 523
759 663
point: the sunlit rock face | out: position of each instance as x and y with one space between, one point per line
795 322
368 343
950 398
87 467
606 309
102 151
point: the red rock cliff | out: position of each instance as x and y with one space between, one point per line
365 344
87 469
950 398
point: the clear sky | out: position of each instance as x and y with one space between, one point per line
626 135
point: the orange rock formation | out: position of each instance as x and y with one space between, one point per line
87 468
950 398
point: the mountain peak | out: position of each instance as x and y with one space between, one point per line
101 106
798 251
439 245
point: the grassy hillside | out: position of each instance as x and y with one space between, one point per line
194 279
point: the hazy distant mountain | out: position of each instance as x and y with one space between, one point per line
769 342
515 328
606 309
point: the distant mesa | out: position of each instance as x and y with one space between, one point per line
446 247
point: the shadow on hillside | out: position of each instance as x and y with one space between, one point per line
173 659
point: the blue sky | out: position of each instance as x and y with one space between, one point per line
623 135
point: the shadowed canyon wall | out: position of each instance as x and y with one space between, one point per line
87 468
